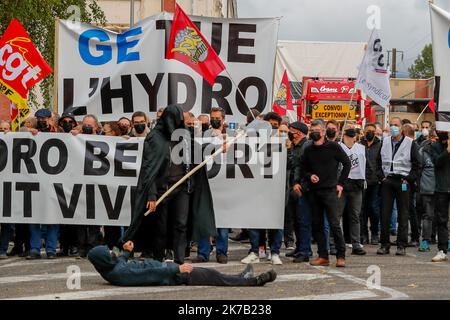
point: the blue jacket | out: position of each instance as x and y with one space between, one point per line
121 272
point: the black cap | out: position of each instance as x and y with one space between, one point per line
43 113
299 126
66 115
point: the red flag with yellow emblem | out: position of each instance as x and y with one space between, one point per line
187 44
21 64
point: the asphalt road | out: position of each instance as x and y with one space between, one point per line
410 277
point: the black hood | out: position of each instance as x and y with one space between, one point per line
171 119
101 259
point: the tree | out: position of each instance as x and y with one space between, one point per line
38 18
423 66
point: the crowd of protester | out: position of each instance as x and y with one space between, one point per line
347 186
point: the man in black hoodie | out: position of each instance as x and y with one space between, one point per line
121 272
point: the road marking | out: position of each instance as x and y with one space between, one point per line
301 277
351 295
43 277
394 294
24 263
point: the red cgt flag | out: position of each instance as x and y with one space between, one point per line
283 99
187 44
21 64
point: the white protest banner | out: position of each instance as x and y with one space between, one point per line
57 178
373 76
86 179
113 75
440 30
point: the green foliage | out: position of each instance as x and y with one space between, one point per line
38 18
423 66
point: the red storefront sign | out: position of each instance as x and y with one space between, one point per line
331 90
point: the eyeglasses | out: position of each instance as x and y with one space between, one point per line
67 122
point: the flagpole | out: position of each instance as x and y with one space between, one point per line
239 90
354 88
422 112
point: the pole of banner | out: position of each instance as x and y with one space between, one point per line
198 167
239 90
422 112
354 88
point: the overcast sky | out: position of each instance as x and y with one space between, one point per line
405 24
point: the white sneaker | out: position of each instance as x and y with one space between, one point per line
440 257
251 258
276 259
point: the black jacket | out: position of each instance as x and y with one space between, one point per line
442 167
293 159
324 161
373 171
153 179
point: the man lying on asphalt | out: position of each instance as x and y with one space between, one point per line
117 270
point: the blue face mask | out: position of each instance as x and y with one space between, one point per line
418 134
395 131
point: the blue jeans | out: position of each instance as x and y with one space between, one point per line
51 240
304 224
204 247
394 217
275 240
6 233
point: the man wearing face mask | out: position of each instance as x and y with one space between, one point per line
371 196
139 122
43 125
351 199
425 127
125 126
217 116
399 163
442 192
319 167
67 122
274 119
332 130
204 119
87 235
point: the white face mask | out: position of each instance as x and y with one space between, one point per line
425 132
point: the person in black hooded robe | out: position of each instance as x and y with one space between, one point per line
191 201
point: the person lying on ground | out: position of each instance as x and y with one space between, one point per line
118 271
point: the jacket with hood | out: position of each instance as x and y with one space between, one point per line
442 166
153 179
374 173
121 272
427 156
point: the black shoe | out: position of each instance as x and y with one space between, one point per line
400 251
51 256
73 252
364 240
14 252
413 244
291 254
222 259
199 259
358 251
266 277
393 232
34 257
383 250
248 272
300 259
375 240
24 254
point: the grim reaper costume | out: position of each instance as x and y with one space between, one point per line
188 208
